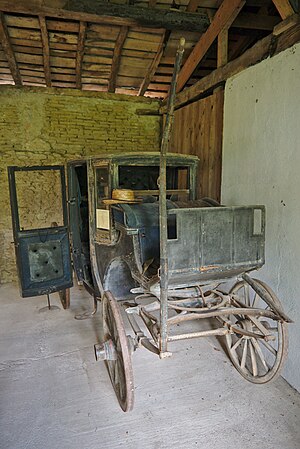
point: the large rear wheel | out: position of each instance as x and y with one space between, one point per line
257 359
119 365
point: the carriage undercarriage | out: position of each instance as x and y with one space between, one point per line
249 316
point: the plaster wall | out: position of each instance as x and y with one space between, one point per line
261 165
50 126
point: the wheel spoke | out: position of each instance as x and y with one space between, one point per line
269 347
259 353
255 299
247 294
237 343
253 359
259 360
244 356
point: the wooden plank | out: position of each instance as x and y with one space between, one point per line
255 54
65 38
30 59
22 22
117 58
222 54
62 62
26 43
97 59
46 51
284 8
24 33
286 24
134 44
7 48
113 14
91 51
155 63
80 53
224 17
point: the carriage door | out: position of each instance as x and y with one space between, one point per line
40 228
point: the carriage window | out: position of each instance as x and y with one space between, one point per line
145 180
102 211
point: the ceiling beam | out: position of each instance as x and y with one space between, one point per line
193 5
80 53
7 48
260 51
155 63
223 18
46 50
284 8
162 18
117 58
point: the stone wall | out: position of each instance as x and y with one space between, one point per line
51 126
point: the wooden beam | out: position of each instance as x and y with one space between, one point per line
154 64
286 24
46 50
270 45
80 53
223 18
193 5
284 8
7 48
222 55
163 18
117 58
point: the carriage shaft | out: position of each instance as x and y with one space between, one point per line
213 332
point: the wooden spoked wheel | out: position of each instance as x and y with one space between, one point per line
259 360
64 296
120 369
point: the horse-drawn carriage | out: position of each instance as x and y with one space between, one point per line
143 242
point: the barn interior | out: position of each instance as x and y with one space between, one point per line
82 78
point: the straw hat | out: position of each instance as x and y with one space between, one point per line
122 196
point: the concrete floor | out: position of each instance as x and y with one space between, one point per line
54 394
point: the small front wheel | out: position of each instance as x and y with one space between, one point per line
259 360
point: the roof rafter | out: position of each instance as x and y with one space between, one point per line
154 64
284 8
117 58
223 18
7 48
261 50
80 53
46 50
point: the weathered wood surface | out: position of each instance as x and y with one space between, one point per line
224 17
284 8
80 53
198 130
6 45
164 18
270 45
117 58
46 50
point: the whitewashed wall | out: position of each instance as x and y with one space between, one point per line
261 165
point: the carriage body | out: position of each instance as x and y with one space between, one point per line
205 241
